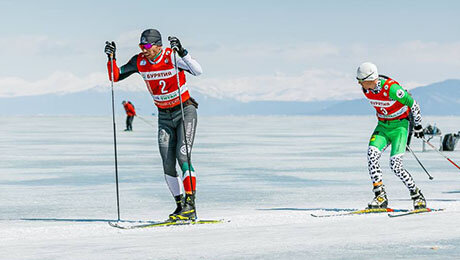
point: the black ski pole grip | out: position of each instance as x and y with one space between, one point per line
111 55
175 47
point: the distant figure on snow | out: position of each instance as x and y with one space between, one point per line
130 113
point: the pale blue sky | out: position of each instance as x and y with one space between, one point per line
249 50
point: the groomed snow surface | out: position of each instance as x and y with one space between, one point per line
264 174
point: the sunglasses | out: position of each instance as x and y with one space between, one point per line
146 46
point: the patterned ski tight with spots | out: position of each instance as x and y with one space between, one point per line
396 165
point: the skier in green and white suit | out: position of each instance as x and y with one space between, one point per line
393 105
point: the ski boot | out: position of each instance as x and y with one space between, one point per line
179 205
380 201
418 199
188 209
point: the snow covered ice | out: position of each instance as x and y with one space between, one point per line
265 174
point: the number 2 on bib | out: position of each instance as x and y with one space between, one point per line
163 86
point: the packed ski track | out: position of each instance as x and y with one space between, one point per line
266 175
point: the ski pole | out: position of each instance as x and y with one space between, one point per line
429 176
434 148
175 49
114 135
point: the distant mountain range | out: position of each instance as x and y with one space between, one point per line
442 98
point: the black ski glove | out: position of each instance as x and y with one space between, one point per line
418 131
110 49
177 46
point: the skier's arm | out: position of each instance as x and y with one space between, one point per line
129 68
185 61
399 94
415 109
189 64
125 70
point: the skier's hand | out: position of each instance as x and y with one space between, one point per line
110 49
418 131
177 46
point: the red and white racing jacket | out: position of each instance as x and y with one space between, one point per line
161 79
391 101
160 76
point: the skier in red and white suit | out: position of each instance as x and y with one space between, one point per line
157 68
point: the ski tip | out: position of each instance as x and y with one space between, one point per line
431 209
211 221
415 211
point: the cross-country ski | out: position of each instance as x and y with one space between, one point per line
359 212
167 223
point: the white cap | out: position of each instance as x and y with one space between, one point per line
367 72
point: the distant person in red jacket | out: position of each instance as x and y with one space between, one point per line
130 113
